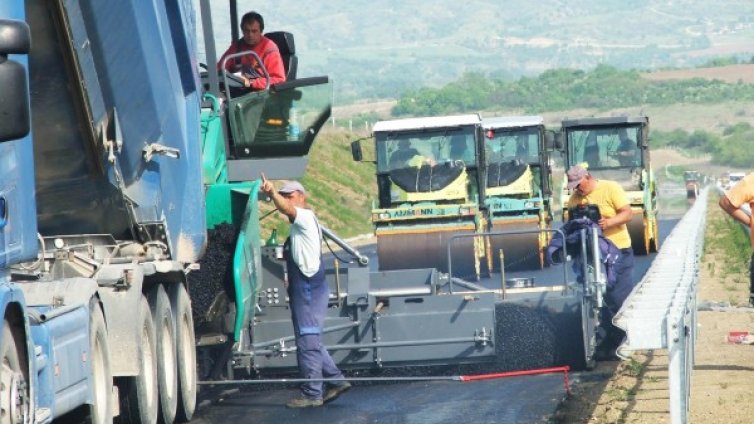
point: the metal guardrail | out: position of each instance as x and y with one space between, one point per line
661 311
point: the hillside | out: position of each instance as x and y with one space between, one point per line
743 73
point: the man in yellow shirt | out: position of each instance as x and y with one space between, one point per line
731 202
615 213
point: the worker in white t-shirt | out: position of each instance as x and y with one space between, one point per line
308 294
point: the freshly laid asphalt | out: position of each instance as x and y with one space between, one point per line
510 400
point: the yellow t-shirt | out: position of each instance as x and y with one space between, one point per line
609 197
742 192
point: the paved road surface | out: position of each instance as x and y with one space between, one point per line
514 400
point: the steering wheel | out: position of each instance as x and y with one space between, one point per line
234 81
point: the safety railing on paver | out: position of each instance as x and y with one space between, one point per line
660 313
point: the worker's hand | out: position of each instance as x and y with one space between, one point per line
267 186
605 223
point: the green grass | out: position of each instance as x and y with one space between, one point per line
635 368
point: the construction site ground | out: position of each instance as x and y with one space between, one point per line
722 381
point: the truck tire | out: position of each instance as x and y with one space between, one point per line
138 399
167 381
101 409
14 392
185 352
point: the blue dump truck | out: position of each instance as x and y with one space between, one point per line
101 209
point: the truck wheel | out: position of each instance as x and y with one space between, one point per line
185 352
14 394
167 382
138 403
101 409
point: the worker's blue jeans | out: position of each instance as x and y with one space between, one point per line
308 299
624 280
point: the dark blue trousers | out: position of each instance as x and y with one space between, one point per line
308 300
624 280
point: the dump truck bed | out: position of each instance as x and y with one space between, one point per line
100 75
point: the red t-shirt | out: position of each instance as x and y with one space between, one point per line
268 51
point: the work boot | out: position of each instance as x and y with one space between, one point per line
333 392
304 402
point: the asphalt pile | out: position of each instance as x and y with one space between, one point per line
215 271
526 337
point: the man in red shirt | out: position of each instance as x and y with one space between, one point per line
252 25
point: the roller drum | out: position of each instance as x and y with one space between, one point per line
643 232
520 251
428 249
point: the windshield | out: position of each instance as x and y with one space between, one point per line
397 150
603 148
509 145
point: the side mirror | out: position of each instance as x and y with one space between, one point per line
356 150
16 39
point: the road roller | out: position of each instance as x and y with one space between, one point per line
517 194
428 191
616 148
692 180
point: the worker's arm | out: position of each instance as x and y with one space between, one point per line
735 212
273 62
622 216
281 203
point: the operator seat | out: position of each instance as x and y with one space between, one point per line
287 47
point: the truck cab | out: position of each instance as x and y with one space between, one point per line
692 181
